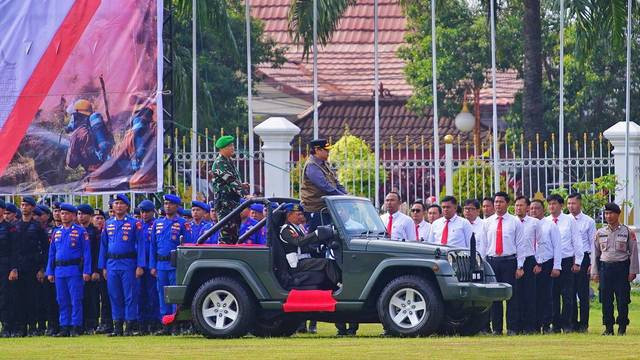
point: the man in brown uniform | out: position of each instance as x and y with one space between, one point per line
614 264
318 180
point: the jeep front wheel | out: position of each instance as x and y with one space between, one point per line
223 308
410 306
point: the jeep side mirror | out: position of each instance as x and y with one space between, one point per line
325 233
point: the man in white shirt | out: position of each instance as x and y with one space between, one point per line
399 226
504 250
548 251
471 212
434 212
587 231
422 227
572 254
526 284
450 229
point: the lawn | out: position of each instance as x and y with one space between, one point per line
325 345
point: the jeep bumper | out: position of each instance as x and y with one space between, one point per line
174 294
468 291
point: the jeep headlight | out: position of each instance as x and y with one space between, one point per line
479 260
451 257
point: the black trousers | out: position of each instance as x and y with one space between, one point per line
5 299
51 304
105 304
331 270
342 327
505 270
526 297
544 289
25 300
563 289
581 286
91 304
614 281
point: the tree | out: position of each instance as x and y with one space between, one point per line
532 103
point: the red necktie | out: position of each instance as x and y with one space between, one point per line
417 234
445 233
390 224
555 220
499 237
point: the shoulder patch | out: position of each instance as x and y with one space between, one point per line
187 226
138 225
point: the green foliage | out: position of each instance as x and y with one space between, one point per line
474 179
356 165
295 176
594 194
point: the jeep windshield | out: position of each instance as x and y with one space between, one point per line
359 217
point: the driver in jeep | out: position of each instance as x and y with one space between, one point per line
298 246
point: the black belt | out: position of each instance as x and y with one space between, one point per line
615 264
129 255
68 262
506 257
164 258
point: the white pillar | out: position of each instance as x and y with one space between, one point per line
616 135
276 134
448 164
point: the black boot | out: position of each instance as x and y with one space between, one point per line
164 331
75 331
622 330
105 328
131 329
117 329
64 332
6 331
51 331
608 330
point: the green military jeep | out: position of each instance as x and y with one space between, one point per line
412 288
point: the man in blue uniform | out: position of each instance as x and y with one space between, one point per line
148 308
8 257
199 224
122 259
91 288
166 236
68 266
250 222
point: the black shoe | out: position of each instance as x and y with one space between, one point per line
622 330
5 334
608 330
117 329
164 331
351 331
64 332
17 334
75 331
302 329
144 328
511 333
131 329
105 329
313 327
342 333
51 331
546 330
497 333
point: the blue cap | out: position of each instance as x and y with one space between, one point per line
12 208
136 211
85 209
257 207
172 199
99 212
44 208
68 207
2 204
29 200
37 211
56 205
292 207
201 205
184 212
147 205
122 197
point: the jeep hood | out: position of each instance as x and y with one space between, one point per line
409 247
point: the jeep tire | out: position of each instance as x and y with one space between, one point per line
223 308
280 325
409 306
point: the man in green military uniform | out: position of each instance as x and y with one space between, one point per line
228 189
614 264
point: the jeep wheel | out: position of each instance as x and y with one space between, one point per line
467 325
223 308
410 306
276 326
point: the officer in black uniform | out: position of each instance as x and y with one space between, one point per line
91 288
8 257
49 298
297 247
614 265
32 242
106 322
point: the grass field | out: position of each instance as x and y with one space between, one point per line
324 345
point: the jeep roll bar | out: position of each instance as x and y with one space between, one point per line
264 201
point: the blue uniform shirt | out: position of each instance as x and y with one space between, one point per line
255 237
165 236
198 229
213 239
122 237
69 244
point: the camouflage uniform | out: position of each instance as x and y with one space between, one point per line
228 189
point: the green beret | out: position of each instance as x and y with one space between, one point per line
224 141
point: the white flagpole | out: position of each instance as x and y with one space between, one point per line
434 77
194 105
376 103
249 157
315 69
496 154
561 112
627 114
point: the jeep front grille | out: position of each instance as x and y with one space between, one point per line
461 263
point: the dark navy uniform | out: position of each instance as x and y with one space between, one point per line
149 308
69 259
8 257
121 252
91 289
50 299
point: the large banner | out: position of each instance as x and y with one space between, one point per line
80 99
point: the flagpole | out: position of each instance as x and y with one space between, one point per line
194 100
436 120
627 115
496 154
376 95
249 157
315 69
561 112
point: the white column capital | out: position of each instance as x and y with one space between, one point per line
276 134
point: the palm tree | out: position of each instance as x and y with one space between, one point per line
532 104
